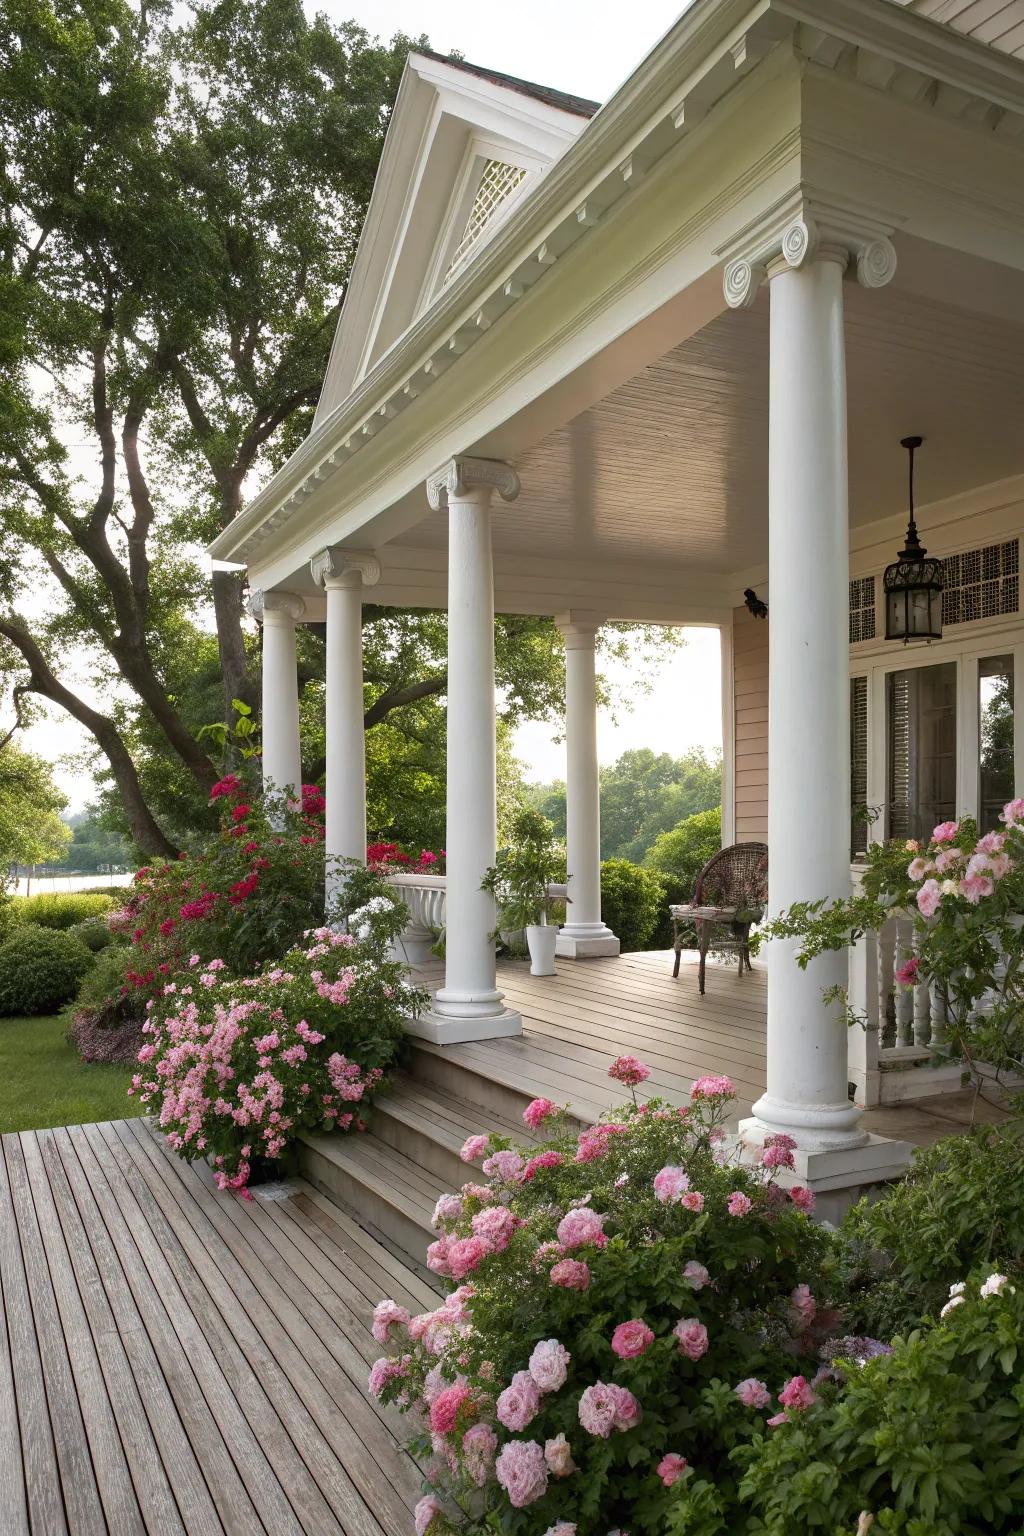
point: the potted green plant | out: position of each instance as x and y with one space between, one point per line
519 881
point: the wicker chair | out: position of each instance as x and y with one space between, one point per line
728 898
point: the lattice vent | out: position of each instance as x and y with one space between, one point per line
498 182
981 583
862 609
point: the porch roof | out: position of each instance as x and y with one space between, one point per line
647 320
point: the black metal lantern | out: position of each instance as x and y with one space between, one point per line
913 584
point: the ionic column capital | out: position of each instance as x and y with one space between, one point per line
465 479
279 607
802 228
339 567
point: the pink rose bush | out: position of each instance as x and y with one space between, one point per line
964 894
234 1067
610 1343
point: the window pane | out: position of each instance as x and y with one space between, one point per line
995 720
858 765
921 749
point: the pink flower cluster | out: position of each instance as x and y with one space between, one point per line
944 870
629 1070
605 1407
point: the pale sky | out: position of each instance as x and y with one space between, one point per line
576 46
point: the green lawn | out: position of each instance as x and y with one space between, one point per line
44 1082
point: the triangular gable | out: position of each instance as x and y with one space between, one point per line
464 146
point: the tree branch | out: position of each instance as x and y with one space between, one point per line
396 697
42 680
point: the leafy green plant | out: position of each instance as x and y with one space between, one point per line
520 876
62 909
925 1441
633 901
960 1206
632 1308
679 856
40 969
238 739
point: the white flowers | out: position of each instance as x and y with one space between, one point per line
995 1285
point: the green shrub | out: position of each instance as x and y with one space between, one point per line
961 1205
104 994
632 900
62 909
926 1439
40 969
94 934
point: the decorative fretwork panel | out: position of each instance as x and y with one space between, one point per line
498 181
981 583
862 609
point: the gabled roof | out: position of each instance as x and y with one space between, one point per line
563 99
465 145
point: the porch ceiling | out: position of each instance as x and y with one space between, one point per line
671 468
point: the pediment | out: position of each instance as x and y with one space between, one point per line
464 147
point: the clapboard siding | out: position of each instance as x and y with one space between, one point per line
750 685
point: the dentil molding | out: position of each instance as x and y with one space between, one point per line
287 605
455 480
794 231
338 566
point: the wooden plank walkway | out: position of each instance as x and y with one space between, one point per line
185 1363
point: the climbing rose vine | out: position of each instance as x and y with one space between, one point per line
964 894
625 1308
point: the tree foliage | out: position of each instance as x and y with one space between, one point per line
31 830
183 190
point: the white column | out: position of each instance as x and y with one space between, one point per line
808 693
343 574
469 1005
282 766
584 934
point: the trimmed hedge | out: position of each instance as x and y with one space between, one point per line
61 909
40 969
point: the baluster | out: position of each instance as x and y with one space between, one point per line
886 1001
905 1002
938 1017
922 1009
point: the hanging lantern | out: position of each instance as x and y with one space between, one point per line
913 584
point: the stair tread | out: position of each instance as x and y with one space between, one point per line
444 1117
389 1173
519 1065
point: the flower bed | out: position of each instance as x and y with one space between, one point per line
627 1310
235 1067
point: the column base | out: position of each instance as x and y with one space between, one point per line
445 1029
838 1175
585 941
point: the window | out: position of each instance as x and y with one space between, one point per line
921 749
981 583
995 744
862 609
858 766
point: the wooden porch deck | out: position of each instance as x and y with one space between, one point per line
577 1021
175 1361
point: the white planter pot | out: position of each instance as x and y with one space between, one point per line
540 938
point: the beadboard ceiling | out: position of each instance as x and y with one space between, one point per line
1000 23
672 466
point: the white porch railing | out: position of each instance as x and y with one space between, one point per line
890 1060
426 898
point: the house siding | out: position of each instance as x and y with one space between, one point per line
750 693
